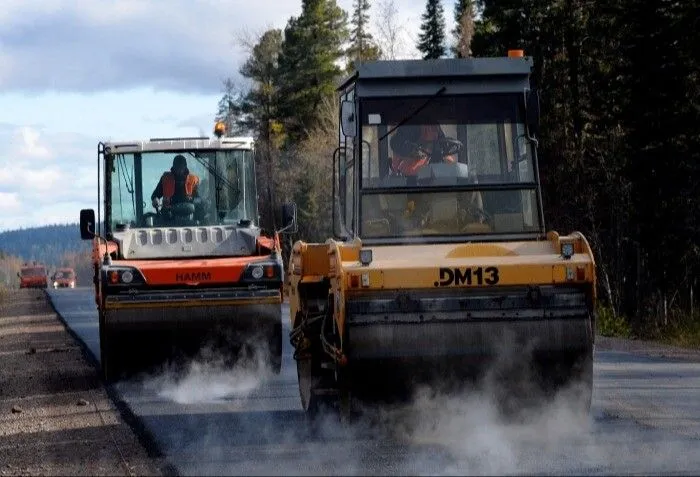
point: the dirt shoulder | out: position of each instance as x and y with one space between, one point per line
55 415
649 348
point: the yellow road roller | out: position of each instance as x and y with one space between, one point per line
440 262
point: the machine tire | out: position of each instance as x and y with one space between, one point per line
308 379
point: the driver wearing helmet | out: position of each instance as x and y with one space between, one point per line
415 146
176 186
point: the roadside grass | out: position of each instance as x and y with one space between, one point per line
611 325
682 330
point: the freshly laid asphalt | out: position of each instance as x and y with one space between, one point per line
217 421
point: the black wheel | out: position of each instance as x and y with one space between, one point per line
309 380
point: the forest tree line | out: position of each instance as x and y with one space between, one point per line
618 147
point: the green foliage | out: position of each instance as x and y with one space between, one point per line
362 44
313 43
610 324
431 41
684 332
619 153
259 108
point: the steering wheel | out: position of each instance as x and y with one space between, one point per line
182 209
445 146
449 146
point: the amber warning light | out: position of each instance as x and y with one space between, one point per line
219 128
516 53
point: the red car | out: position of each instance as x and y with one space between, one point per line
33 276
64 278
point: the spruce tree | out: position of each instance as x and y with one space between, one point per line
431 41
362 44
313 43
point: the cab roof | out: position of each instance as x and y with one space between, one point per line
180 144
416 77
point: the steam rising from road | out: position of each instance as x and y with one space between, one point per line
472 430
210 377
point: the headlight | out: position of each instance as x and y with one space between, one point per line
257 272
122 276
567 250
263 271
365 256
55 284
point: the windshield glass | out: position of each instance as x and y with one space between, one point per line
183 188
459 165
63 275
33 272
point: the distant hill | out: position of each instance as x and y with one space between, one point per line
48 244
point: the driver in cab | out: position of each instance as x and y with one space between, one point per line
176 186
415 146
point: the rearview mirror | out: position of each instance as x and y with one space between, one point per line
289 218
87 224
347 118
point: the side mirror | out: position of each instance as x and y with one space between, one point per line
347 118
289 218
87 224
532 111
19 275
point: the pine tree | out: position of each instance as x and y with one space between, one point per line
259 108
313 43
362 44
260 113
464 28
431 41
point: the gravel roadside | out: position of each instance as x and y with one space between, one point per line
648 348
55 415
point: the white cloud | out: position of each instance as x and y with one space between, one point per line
9 201
115 45
36 192
30 145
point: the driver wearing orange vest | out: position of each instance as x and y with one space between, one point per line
176 186
413 147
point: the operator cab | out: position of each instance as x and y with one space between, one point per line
177 197
218 188
438 151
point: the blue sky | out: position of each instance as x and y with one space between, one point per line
74 72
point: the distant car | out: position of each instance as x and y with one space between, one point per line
64 278
33 276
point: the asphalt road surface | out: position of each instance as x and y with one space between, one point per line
214 421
